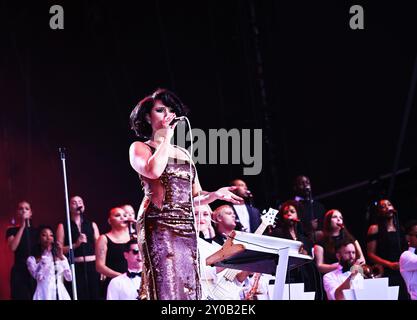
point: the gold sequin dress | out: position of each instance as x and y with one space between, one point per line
167 236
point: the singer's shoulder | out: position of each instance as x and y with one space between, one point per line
139 148
11 231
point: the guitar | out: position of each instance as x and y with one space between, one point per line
226 277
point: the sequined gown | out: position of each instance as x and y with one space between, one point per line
167 236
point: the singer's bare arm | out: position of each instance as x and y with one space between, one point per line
224 193
152 165
372 247
13 241
96 232
101 252
319 257
359 254
147 164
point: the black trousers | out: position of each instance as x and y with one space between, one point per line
22 284
87 279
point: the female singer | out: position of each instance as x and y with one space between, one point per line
110 247
20 240
166 229
49 267
385 243
289 227
333 231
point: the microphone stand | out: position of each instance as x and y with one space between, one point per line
311 212
397 228
29 250
83 253
71 251
53 251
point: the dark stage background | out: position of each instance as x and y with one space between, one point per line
330 100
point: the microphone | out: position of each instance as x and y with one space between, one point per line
79 208
295 220
308 192
54 249
132 229
27 223
393 211
176 119
341 225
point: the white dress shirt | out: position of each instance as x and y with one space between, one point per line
332 280
123 288
408 269
243 215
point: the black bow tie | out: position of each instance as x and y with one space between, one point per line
133 274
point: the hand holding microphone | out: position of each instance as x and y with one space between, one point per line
26 218
131 223
81 239
167 128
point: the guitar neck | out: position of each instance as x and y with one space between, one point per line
262 227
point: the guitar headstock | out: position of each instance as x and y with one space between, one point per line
268 217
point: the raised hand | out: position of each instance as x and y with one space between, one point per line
81 239
167 130
226 194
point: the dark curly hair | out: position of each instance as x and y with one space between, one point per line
138 122
288 203
37 249
282 223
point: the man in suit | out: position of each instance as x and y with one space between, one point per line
248 218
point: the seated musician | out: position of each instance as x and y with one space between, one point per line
224 220
346 275
126 285
217 283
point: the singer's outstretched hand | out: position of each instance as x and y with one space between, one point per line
226 194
